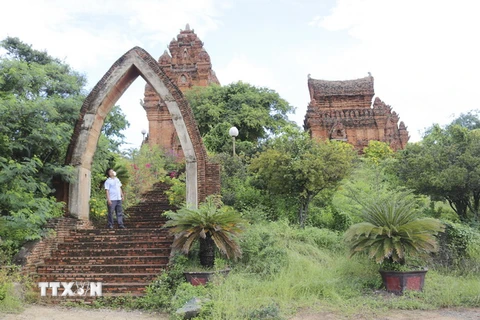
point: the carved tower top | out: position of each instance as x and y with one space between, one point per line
343 110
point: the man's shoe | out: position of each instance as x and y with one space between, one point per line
110 227
122 227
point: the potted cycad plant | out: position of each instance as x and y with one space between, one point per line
213 225
392 232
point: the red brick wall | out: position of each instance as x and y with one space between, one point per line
61 228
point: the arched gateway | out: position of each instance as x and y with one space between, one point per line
202 177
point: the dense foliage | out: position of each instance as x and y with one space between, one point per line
298 166
40 97
446 166
256 112
39 101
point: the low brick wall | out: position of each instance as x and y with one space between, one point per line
35 253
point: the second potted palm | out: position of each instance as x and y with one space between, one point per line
393 231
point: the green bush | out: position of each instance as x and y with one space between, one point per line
9 302
459 248
262 254
160 292
178 191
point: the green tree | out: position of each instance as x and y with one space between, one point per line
446 166
40 98
256 112
296 165
469 120
376 151
39 101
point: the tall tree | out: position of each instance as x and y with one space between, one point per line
446 166
39 101
40 98
256 112
296 165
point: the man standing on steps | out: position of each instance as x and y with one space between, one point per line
113 188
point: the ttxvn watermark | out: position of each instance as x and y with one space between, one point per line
71 289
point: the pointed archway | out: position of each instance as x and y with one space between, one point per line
202 177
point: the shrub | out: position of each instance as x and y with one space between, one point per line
159 294
459 248
262 253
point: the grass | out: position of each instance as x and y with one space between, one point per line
315 276
285 269
14 290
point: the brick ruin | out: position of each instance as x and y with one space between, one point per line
342 110
188 64
202 177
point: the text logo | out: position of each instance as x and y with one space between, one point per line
71 289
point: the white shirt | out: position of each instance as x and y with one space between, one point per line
113 187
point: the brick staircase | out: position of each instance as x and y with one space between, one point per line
124 260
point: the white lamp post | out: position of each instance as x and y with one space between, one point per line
233 132
144 132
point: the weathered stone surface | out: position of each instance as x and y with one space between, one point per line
342 110
191 309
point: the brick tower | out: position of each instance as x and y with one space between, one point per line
187 65
342 110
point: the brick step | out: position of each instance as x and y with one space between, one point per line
150 207
146 219
105 278
111 252
114 244
145 211
149 216
125 260
156 217
104 268
119 232
143 214
144 224
155 198
118 238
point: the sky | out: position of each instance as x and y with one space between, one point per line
423 54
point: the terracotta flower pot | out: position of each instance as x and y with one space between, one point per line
398 281
202 277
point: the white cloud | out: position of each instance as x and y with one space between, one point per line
240 68
91 35
423 54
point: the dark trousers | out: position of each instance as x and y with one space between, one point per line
117 207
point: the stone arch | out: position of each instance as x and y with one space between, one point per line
136 62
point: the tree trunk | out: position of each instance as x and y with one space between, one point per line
460 207
207 251
302 215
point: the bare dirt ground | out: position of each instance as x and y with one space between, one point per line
443 314
61 313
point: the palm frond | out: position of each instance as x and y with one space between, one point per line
221 222
392 230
